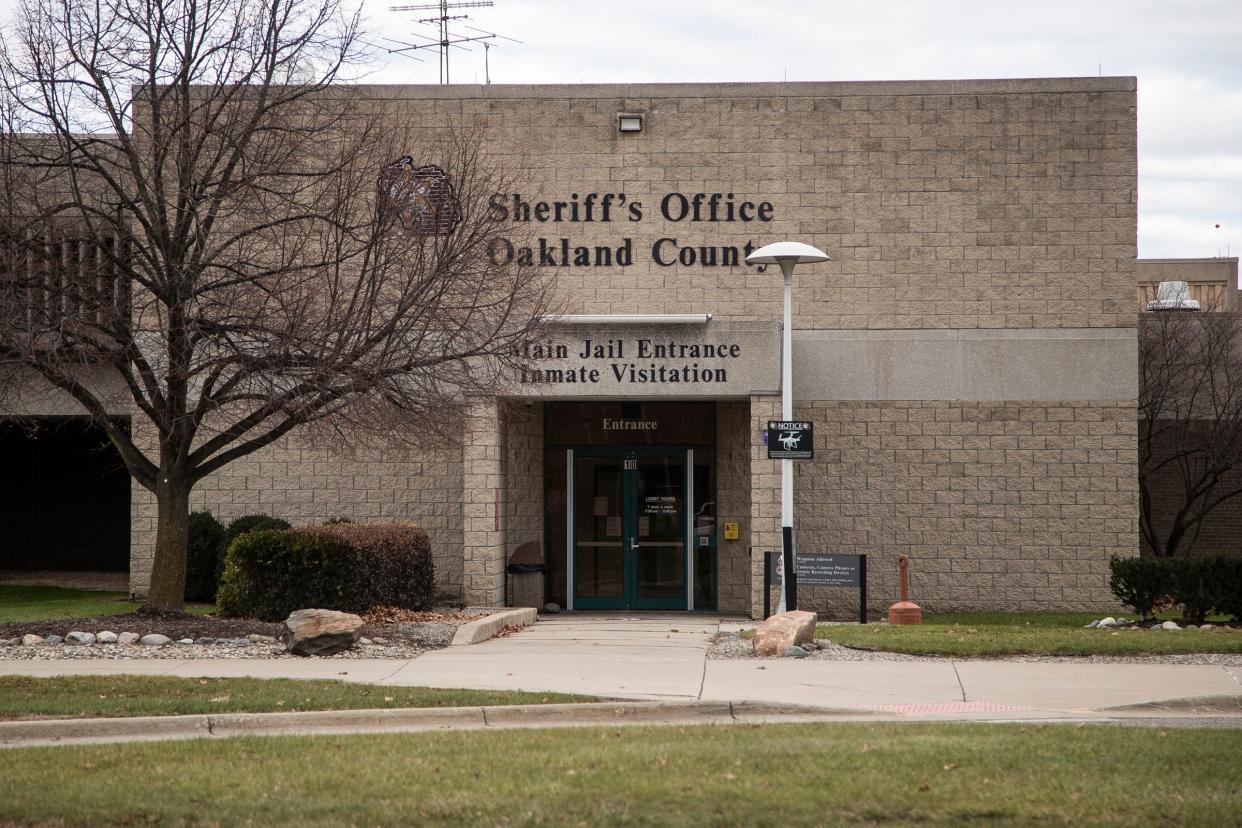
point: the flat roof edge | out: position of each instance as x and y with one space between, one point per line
791 89
1194 260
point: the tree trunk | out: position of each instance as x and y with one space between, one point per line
172 533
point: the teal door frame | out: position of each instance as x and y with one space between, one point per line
629 529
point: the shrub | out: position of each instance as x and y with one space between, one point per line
1197 585
252 523
270 573
204 561
1229 588
395 567
1140 583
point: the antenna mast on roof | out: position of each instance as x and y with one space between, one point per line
448 39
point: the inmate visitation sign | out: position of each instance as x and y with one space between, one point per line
791 440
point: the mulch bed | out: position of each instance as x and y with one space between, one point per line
172 624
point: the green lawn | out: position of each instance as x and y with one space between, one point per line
995 633
24 697
46 603
773 775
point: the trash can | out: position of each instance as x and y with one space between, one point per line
526 569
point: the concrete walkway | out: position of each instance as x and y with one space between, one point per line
652 657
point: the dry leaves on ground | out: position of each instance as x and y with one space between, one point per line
397 615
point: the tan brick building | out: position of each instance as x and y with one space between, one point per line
968 356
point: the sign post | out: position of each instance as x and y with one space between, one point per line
787 254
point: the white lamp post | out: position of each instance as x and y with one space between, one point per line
787 254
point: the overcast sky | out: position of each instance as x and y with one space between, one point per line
1187 55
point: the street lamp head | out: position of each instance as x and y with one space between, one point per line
787 252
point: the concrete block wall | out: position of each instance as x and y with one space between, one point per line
1014 505
483 503
945 204
305 483
523 474
733 504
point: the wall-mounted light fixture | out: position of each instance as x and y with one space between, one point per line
630 123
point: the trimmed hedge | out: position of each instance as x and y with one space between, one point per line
1201 585
253 523
1141 583
204 557
350 567
395 567
269 573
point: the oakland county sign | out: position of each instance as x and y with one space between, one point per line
716 359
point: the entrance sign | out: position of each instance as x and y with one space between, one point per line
644 361
791 440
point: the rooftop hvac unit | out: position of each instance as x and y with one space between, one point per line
1173 296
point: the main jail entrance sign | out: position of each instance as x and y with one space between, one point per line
714 359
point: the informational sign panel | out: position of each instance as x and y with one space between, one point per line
817 569
791 440
829 570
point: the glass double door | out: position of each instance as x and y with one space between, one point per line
629 529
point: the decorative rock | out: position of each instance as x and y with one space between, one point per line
185 640
1091 626
80 638
155 640
1169 625
552 607
1208 627
12 642
796 652
127 638
106 637
1107 622
1190 627
55 639
366 642
378 640
255 638
320 632
206 639
29 640
780 632
809 646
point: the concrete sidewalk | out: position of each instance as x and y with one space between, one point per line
665 658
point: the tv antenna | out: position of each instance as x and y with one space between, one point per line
449 39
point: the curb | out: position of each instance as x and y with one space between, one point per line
47 732
478 631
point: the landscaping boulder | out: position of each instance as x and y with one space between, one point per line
127 638
155 640
775 636
78 637
31 640
310 632
106 637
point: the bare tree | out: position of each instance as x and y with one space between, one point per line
1190 423
192 199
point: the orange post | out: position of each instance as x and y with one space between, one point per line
904 611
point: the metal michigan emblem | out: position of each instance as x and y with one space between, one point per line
422 196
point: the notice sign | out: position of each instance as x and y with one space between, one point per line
791 440
828 570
